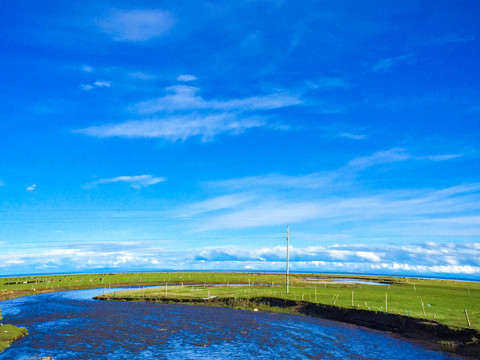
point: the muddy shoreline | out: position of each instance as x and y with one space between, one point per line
460 341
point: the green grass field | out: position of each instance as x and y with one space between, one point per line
9 333
444 301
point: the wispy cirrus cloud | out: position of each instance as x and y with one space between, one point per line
136 182
217 203
87 69
453 38
176 128
310 181
388 63
136 25
393 210
270 213
441 157
351 136
380 157
182 114
341 176
457 220
186 77
282 201
343 131
183 97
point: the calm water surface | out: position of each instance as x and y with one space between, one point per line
350 281
70 325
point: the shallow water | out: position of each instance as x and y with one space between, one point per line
348 281
70 325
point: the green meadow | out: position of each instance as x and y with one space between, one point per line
9 333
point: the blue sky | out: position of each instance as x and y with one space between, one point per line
143 135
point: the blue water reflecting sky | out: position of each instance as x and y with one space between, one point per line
70 325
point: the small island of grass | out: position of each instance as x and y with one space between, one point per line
10 333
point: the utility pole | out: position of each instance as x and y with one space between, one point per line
287 260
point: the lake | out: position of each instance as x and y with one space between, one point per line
70 325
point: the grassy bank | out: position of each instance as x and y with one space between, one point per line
10 333
12 287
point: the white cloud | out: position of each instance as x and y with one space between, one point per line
183 97
182 113
454 38
381 157
87 69
462 220
31 187
368 255
459 259
402 211
102 83
176 128
446 259
86 87
337 130
137 25
352 136
339 176
96 84
336 198
2 183
186 77
388 63
310 181
137 182
442 157
266 214
217 203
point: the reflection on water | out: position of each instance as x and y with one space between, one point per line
69 325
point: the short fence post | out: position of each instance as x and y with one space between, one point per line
468 320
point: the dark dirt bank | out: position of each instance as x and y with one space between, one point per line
461 341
